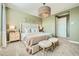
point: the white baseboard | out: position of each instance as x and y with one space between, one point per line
73 41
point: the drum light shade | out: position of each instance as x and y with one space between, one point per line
44 11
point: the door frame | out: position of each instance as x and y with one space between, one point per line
67 25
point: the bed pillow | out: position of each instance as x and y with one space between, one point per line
27 30
34 30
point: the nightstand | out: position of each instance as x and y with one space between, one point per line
12 33
14 36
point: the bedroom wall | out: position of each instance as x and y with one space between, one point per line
49 24
74 24
17 17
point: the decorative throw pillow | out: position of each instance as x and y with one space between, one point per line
34 30
27 30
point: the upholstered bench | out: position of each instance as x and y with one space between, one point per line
55 41
32 49
45 44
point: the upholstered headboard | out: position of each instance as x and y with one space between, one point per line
27 27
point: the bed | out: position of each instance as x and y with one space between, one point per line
30 34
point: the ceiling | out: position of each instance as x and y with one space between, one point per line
32 8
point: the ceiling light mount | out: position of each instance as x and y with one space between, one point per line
44 4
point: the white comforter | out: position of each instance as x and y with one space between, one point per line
33 38
24 36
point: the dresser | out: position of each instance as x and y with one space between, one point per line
14 36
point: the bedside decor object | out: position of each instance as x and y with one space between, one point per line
40 28
44 11
12 28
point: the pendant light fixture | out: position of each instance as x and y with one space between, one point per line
44 11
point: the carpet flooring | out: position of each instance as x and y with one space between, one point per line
65 48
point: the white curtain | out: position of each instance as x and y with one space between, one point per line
4 25
0 24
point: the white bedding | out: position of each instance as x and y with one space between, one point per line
33 38
28 30
24 36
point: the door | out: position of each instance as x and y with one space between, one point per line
61 26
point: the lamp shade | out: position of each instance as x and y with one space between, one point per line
12 28
44 11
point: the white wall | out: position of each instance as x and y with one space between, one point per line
15 17
74 24
49 24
